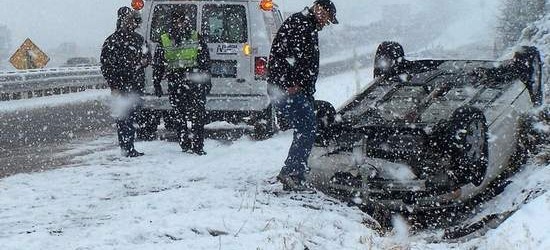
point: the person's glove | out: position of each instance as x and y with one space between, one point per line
158 90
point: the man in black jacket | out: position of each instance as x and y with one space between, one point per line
124 57
184 59
293 71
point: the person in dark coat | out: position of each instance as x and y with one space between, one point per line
124 57
293 70
183 58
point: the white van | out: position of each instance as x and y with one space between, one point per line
239 34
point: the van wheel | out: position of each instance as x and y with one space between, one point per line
325 115
388 56
170 122
148 121
264 127
468 146
528 60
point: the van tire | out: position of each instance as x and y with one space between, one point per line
264 126
148 121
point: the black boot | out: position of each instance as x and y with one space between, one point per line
199 151
133 153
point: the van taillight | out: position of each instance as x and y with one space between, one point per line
260 68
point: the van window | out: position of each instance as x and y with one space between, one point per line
164 13
224 23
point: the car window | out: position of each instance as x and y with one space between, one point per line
162 16
224 23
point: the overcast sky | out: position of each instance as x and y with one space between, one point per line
87 22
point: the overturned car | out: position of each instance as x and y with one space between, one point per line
427 134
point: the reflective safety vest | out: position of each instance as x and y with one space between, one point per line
183 56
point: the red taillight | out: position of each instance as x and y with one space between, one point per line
260 68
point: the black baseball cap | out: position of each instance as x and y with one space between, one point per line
330 7
126 12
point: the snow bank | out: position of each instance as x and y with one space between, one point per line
526 229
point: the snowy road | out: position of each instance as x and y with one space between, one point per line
33 130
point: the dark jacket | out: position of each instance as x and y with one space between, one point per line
294 59
121 61
175 76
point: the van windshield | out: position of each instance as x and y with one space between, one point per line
224 23
163 15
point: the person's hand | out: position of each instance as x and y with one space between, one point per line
158 91
293 90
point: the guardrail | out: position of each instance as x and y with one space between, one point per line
26 84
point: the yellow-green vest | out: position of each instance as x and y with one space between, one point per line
183 56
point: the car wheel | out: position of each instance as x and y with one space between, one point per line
325 115
388 56
265 127
468 140
148 121
528 61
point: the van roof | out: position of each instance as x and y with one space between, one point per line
204 0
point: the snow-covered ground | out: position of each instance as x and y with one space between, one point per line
171 200
226 200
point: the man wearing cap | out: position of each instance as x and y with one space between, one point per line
124 57
293 71
183 58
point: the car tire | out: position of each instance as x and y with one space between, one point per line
388 56
528 61
325 115
148 122
265 126
468 141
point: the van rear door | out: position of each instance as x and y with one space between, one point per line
226 31
161 17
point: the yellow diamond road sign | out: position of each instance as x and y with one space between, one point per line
29 56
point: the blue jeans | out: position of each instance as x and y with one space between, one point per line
299 112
